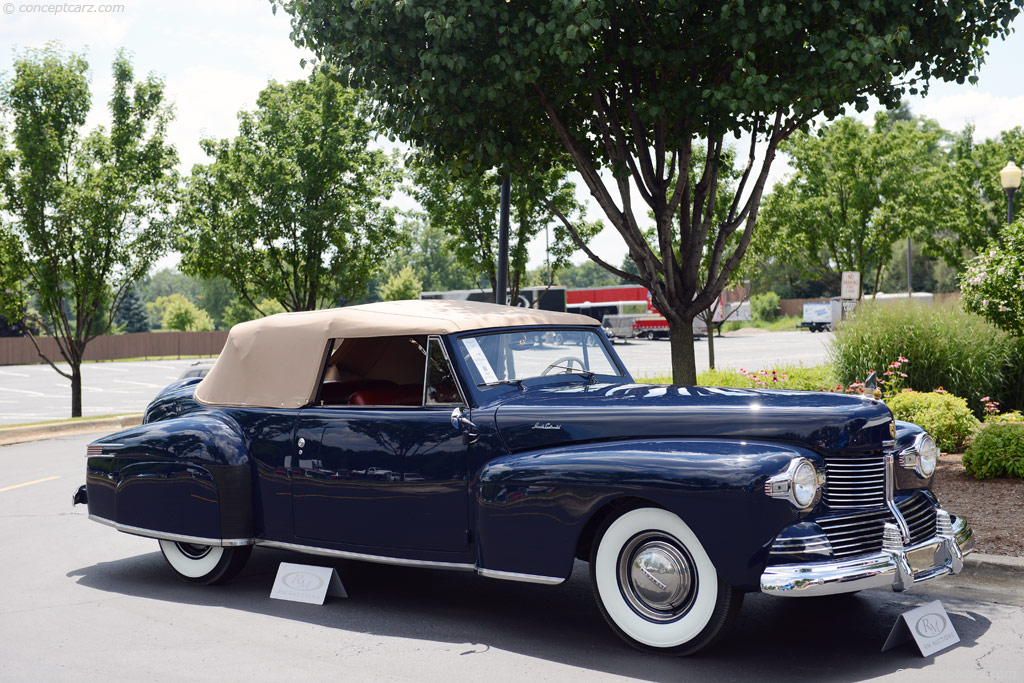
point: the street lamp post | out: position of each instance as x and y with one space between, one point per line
1009 178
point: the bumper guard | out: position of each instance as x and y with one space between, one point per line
896 566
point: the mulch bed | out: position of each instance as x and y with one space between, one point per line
993 507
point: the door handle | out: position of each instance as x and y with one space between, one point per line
462 423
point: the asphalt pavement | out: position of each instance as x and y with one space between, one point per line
32 393
80 601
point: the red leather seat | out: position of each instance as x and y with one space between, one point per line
405 395
334 393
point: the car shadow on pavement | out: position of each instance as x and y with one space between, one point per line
835 638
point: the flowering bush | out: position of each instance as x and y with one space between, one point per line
993 284
1012 416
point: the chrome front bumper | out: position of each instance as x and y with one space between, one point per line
895 566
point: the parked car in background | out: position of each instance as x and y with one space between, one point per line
198 369
511 442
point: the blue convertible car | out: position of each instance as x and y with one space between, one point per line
511 442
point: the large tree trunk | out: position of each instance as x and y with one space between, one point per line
76 389
684 367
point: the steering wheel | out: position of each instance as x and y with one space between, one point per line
568 361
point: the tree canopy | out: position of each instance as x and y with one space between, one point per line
465 207
293 208
625 91
87 212
854 191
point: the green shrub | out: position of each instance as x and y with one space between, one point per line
947 347
1012 416
765 307
796 377
945 416
997 451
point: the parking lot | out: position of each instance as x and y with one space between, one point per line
83 602
31 393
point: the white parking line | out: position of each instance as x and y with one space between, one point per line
141 384
23 391
14 374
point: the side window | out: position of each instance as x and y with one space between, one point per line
375 371
442 388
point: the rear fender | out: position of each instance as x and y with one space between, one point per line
533 507
183 477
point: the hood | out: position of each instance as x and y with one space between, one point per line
541 417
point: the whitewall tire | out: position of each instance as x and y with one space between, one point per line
204 564
656 585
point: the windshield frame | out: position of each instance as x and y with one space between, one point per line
487 392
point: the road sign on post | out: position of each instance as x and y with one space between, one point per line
850 286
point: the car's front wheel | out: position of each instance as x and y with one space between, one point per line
204 564
657 587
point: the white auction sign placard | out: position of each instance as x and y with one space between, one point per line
928 625
306 583
850 288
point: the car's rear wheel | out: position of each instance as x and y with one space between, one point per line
657 587
204 564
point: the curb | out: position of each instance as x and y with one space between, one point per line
13 435
980 563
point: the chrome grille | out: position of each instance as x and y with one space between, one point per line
855 482
919 512
855 534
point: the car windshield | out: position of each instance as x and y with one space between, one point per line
514 356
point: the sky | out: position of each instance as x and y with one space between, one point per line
216 55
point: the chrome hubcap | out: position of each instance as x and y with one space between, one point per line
656 576
193 552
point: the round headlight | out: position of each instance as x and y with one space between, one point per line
929 455
805 484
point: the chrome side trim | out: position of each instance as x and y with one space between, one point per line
178 538
379 559
404 562
513 576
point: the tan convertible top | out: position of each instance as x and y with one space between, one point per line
275 362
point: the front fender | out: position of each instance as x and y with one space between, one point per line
186 476
533 507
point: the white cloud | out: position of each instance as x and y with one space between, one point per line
990 114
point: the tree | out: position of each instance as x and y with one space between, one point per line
993 284
427 249
466 208
402 285
292 209
240 311
855 191
625 91
583 275
973 208
178 313
132 315
87 213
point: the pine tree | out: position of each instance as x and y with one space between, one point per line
132 314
